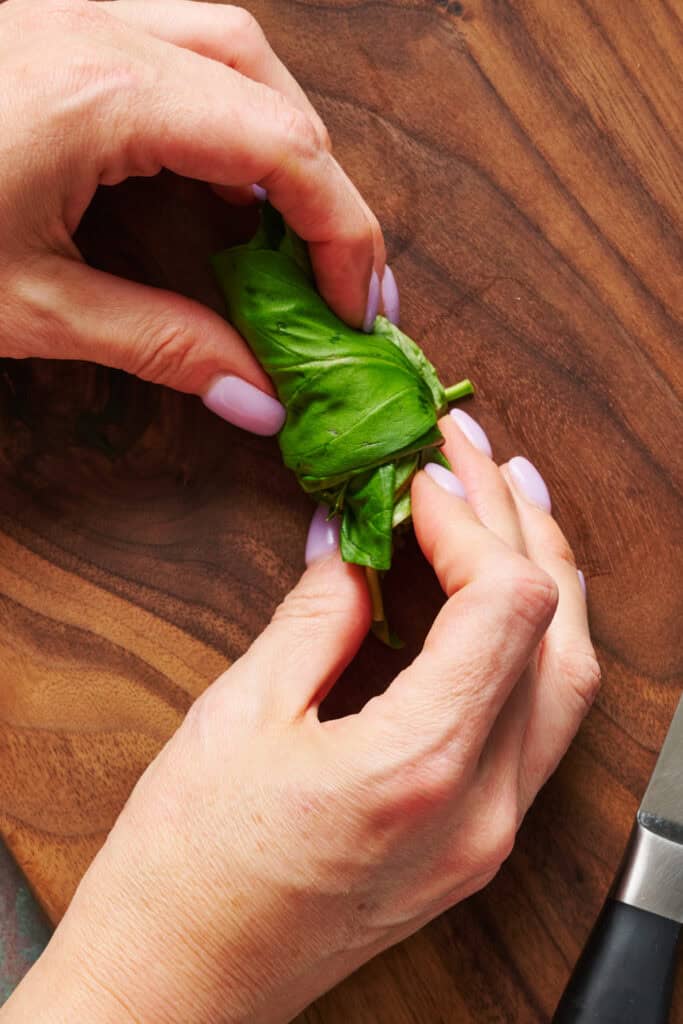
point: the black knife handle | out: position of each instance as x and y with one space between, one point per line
625 974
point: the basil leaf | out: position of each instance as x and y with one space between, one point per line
362 409
416 356
367 520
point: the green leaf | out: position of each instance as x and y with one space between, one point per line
405 471
366 533
402 510
353 401
416 356
362 409
429 441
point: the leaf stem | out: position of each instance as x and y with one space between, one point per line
375 594
459 390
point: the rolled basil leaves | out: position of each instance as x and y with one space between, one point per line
362 409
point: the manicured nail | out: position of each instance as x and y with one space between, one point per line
390 299
260 193
323 535
529 482
475 434
582 581
445 479
238 402
372 307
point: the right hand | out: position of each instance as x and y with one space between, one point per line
92 93
266 854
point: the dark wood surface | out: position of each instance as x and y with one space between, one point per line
524 160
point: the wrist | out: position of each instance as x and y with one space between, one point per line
57 991
118 958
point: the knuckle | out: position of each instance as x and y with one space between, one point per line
580 670
368 231
563 551
251 39
531 593
299 606
313 605
301 134
244 25
433 782
375 231
505 841
362 232
557 544
163 352
499 842
419 782
324 139
34 298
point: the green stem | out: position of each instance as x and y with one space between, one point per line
459 390
375 594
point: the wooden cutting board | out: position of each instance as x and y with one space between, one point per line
523 159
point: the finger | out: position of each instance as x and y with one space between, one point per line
224 33
204 120
499 606
567 675
312 637
75 312
469 452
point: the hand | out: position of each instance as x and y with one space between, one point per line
92 93
264 854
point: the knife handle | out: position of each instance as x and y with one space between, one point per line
625 974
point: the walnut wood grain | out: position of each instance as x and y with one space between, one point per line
524 159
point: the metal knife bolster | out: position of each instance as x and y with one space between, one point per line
651 877
625 974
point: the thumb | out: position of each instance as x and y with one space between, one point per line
76 312
314 634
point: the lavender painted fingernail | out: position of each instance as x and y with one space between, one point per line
238 402
529 482
445 479
582 581
323 535
260 193
475 434
390 299
372 307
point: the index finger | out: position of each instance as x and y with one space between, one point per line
205 120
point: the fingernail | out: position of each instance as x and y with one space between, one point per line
260 193
238 402
390 300
323 535
475 434
372 307
582 581
529 482
445 479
